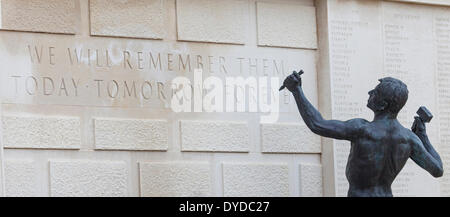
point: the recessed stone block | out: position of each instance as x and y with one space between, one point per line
289 138
311 180
20 178
88 179
220 136
212 21
131 134
41 132
286 25
180 179
54 16
133 18
255 180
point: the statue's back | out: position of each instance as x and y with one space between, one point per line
377 158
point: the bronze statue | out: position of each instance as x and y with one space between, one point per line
379 148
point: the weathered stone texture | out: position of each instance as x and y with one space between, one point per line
311 180
133 18
286 25
131 134
222 136
212 21
20 178
88 179
41 132
255 180
54 16
175 179
289 138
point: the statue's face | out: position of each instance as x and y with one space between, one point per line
374 99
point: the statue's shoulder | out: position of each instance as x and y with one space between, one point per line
410 134
358 122
359 125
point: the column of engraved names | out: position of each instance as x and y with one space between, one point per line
442 34
400 51
394 56
342 53
409 56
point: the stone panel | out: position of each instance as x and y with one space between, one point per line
402 43
20 178
289 138
220 136
88 179
311 180
41 132
135 18
286 25
212 21
54 16
175 179
255 180
131 134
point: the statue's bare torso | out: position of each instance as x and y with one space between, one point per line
376 157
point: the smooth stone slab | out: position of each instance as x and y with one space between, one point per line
402 44
212 21
286 25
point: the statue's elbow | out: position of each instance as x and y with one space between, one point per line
439 172
314 128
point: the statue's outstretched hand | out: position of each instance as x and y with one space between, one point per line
418 125
293 81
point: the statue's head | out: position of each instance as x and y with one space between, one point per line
390 95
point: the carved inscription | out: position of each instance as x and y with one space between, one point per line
119 76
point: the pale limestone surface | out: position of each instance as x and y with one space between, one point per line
216 136
175 179
255 180
212 21
84 178
54 16
41 132
130 134
134 18
55 76
311 184
21 178
289 138
286 25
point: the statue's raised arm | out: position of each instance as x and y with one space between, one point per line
347 130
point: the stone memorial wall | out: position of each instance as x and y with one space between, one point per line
87 91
